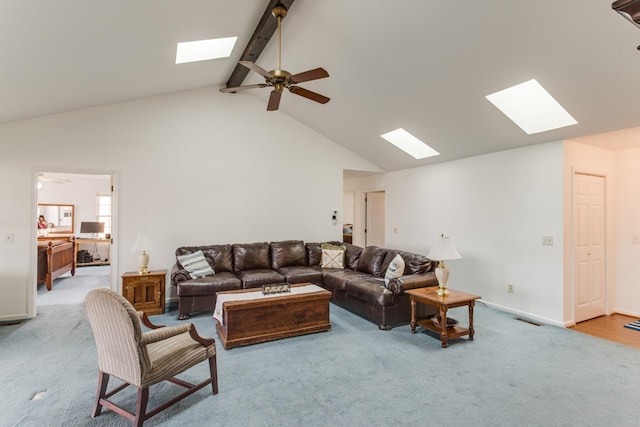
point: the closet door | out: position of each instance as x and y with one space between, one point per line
589 246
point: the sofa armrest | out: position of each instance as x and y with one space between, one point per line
178 275
412 281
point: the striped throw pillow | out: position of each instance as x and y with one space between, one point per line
196 264
395 269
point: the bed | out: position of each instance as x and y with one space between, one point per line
55 258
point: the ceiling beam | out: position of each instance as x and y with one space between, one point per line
266 28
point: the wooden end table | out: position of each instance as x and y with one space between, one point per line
442 303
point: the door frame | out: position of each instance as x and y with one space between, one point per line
607 287
32 304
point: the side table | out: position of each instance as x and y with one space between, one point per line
442 303
145 291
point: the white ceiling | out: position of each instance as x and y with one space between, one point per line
423 65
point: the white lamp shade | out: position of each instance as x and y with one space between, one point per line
143 242
443 249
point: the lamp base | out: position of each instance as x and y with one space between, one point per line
442 291
442 274
144 262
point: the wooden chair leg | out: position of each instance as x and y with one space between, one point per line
103 381
213 369
141 406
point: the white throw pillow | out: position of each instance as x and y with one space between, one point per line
395 269
332 258
196 264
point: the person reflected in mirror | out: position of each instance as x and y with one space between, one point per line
42 223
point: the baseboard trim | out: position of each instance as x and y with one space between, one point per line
525 314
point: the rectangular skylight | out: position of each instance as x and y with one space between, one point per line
202 50
531 107
409 144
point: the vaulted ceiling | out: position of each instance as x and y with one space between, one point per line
422 65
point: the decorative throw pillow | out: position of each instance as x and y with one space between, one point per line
332 256
196 264
395 269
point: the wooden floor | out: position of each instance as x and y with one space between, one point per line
611 328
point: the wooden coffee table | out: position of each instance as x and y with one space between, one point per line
442 303
264 318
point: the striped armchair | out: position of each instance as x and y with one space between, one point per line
140 358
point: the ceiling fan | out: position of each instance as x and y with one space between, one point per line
280 79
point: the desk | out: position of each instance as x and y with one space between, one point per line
442 303
104 261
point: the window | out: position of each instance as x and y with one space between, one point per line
104 211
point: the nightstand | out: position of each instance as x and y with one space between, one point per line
145 291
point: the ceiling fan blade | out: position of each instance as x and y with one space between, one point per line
274 100
238 88
315 74
253 67
309 94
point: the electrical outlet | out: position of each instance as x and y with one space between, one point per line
547 240
510 288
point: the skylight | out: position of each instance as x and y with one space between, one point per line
409 144
531 107
202 50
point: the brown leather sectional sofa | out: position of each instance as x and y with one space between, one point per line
359 287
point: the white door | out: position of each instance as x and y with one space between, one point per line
589 246
374 232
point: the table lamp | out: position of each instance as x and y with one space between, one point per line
143 243
442 250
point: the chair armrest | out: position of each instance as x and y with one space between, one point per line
412 281
147 322
178 275
202 340
164 333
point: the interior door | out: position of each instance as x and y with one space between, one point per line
589 246
374 231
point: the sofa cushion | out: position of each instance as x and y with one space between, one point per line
413 263
395 269
337 279
301 274
209 285
251 256
370 261
219 256
351 256
258 277
196 264
286 253
314 253
371 290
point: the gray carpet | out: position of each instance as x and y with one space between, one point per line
68 289
512 374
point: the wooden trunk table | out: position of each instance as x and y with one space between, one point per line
260 318
442 303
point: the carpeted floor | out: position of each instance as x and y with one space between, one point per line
68 289
512 374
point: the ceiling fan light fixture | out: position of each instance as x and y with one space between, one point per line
203 50
629 9
409 144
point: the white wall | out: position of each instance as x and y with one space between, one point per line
196 167
627 260
496 208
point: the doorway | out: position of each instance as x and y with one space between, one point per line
589 246
92 197
374 232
